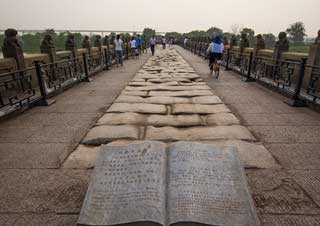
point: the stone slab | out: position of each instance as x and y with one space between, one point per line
107 133
289 220
190 93
189 162
135 93
274 191
122 118
304 156
309 181
174 120
138 107
83 157
165 88
252 155
199 109
44 219
151 100
33 155
222 119
163 80
130 118
287 134
42 190
199 133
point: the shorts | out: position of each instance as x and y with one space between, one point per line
214 57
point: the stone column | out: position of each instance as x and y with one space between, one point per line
282 45
260 44
233 42
98 42
71 45
314 60
244 42
12 49
86 44
47 47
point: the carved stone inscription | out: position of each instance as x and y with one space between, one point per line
128 185
207 185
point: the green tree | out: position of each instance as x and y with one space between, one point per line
250 35
176 35
213 31
60 41
270 40
148 33
78 39
197 33
31 42
227 35
296 32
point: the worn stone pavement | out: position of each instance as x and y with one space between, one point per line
34 189
45 171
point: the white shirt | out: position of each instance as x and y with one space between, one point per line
118 44
153 41
215 48
133 44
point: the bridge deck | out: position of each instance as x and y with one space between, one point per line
41 185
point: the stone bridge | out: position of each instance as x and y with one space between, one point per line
47 153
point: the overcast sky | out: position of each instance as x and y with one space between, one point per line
263 16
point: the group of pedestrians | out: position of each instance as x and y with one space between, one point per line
136 46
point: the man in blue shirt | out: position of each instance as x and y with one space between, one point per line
139 43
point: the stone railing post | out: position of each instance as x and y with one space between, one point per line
282 45
12 48
71 46
313 60
47 47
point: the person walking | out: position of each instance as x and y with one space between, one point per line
164 42
153 42
133 47
118 50
139 43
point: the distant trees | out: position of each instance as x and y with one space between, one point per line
236 28
148 33
250 35
213 31
297 32
270 40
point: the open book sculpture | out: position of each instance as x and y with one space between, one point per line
154 184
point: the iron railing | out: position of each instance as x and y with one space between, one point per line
22 89
288 77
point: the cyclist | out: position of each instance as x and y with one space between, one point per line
215 51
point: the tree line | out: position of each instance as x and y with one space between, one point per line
31 41
296 33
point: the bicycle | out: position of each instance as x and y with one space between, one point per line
215 67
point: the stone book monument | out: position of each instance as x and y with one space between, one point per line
184 183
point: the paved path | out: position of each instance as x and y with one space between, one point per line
34 189
289 196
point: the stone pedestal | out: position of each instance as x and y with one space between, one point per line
98 42
260 44
71 45
12 49
86 44
314 60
